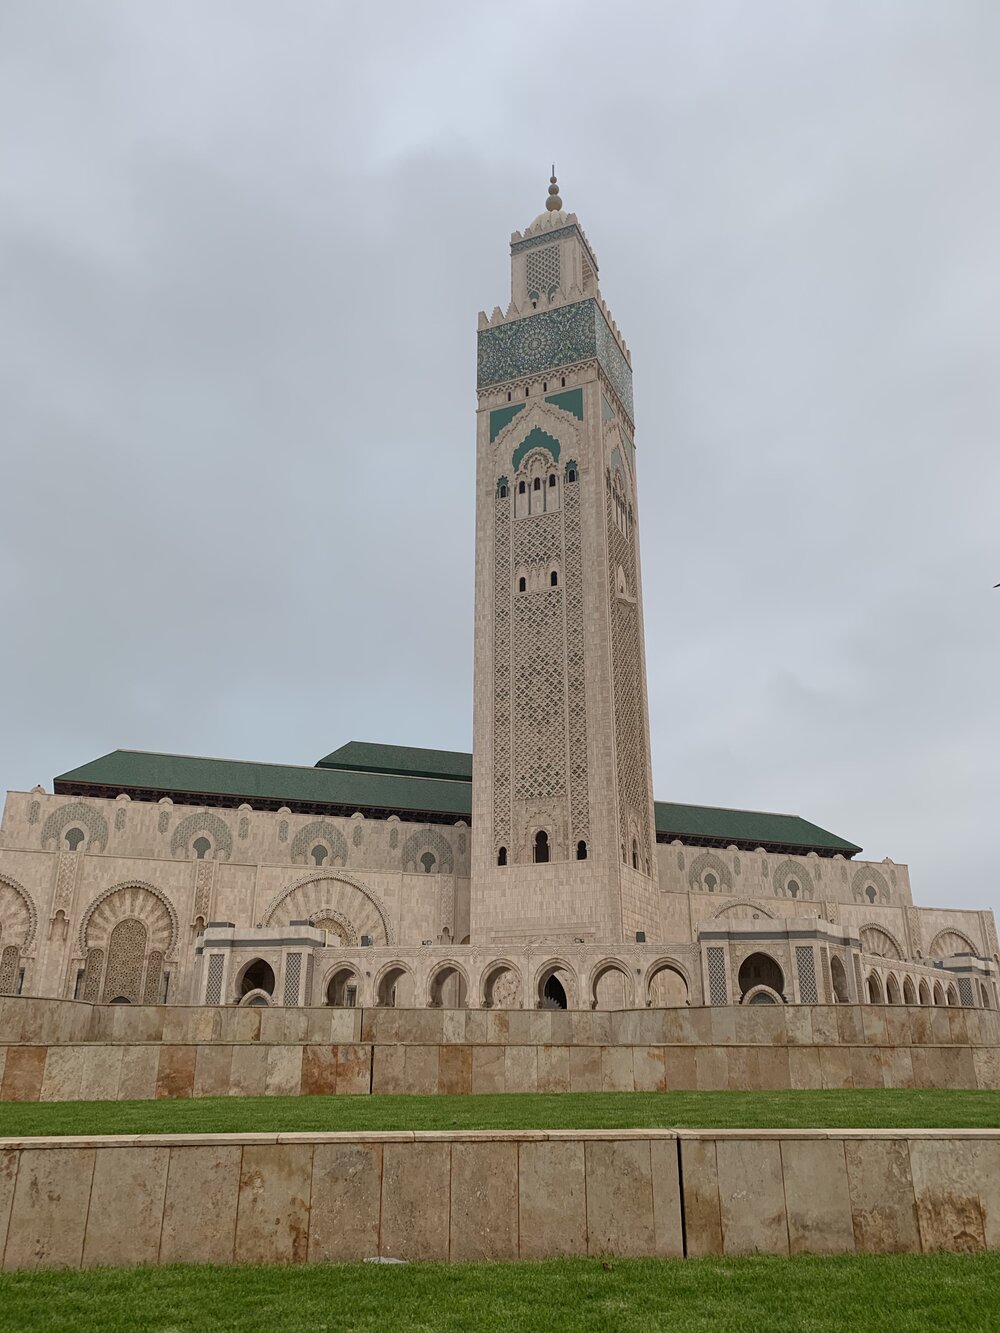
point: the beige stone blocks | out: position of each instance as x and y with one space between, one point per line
495 1195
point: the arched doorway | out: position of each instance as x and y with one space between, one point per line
449 988
666 987
556 986
953 1000
909 996
553 993
257 975
395 988
611 986
938 993
838 975
923 993
760 969
343 988
875 995
891 990
501 987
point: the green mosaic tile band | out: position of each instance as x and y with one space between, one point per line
570 401
535 439
550 339
501 417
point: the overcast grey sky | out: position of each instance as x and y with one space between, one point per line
242 250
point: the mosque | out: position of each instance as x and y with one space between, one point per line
536 872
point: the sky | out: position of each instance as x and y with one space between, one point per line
243 246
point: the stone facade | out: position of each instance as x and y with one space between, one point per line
549 878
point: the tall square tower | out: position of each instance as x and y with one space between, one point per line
563 833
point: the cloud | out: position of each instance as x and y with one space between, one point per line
242 248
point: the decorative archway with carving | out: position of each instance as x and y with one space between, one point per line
77 812
744 909
787 876
761 994
868 933
511 990
322 832
559 968
126 935
203 821
372 908
607 967
937 949
439 977
867 878
424 842
18 916
709 864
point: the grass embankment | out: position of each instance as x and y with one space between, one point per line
889 1293
862 1108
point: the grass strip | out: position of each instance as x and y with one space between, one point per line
883 1292
857 1108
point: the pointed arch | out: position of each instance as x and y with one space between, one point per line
512 989
668 968
440 975
605 968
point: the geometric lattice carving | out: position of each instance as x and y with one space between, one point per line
805 961
706 868
543 270
357 836
9 969
92 975
163 821
244 829
126 956
539 695
283 831
422 842
502 576
965 992
293 974
626 678
77 813
576 677
207 823
204 878
34 812
119 819
154 978
717 975
213 988
319 831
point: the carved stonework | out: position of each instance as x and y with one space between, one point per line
916 932
204 880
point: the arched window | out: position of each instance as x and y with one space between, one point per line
710 882
522 585
545 386
503 490
202 847
581 851
541 846
552 479
537 484
318 854
427 861
564 381
74 836
571 474
520 488
554 579
508 395
502 856
526 387
870 894
635 855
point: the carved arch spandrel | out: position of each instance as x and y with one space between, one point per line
132 899
336 892
18 916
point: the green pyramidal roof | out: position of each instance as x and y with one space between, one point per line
413 783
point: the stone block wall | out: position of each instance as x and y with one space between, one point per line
297 1198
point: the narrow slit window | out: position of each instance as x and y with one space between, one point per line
554 579
522 585
502 856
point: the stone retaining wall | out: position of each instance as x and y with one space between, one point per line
494 1195
45 1022
104 1072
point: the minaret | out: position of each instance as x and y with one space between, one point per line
563 835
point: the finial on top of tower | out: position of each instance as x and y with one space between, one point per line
553 203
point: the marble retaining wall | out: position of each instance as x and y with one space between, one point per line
43 1022
295 1198
95 1071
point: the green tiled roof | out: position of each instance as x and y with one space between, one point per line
747 828
268 785
406 760
407 780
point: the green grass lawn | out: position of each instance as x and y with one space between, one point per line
865 1108
887 1293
